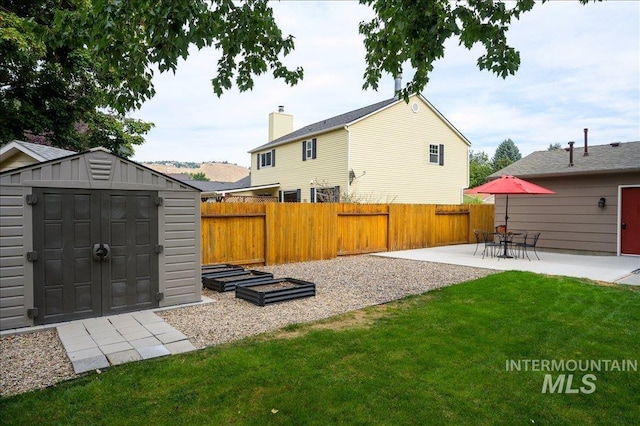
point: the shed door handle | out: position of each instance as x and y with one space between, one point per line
101 251
623 225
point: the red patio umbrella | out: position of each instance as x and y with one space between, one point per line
507 184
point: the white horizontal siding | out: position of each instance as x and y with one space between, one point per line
392 147
328 169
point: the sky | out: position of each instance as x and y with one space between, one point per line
580 68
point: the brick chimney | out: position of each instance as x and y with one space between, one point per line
280 124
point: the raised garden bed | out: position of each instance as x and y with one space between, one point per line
228 283
275 290
227 271
219 267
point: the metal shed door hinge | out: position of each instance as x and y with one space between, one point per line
159 296
31 199
32 256
159 201
32 313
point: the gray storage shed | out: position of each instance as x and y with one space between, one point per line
94 234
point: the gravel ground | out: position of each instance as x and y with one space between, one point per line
37 360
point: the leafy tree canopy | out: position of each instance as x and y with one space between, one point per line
554 146
53 92
506 153
479 168
199 176
127 39
76 56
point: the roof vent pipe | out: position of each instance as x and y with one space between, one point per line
398 86
586 149
571 153
280 109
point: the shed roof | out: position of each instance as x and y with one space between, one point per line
619 157
97 168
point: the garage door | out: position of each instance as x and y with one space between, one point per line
95 253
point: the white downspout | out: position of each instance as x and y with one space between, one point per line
346 128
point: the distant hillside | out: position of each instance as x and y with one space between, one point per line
220 172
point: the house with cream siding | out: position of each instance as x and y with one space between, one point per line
17 154
388 152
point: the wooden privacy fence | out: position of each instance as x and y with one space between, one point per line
276 233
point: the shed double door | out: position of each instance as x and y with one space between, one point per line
96 253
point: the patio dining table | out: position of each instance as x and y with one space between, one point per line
505 239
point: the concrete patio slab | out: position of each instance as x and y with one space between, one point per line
99 342
170 337
145 343
180 347
89 364
122 357
116 347
614 269
153 352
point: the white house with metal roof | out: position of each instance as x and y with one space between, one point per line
391 151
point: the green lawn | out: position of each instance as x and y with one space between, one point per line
438 358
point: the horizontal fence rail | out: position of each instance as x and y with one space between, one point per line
277 233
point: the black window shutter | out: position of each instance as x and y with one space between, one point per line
273 158
336 194
304 150
280 196
298 195
313 148
313 195
441 151
258 161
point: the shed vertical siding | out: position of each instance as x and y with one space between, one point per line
571 218
392 146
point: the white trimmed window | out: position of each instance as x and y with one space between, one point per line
309 149
267 159
436 154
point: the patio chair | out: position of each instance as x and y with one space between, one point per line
490 243
479 239
530 241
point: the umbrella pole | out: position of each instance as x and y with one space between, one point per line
506 222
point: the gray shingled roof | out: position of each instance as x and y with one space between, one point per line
625 157
207 186
45 152
329 123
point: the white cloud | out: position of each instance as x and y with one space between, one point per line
580 68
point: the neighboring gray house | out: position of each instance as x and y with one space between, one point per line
17 154
93 234
596 207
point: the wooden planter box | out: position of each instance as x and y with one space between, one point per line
275 290
229 282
